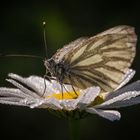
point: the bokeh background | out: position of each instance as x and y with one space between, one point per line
21 32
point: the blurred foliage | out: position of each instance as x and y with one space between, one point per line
21 32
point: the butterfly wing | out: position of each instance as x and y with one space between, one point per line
59 55
101 60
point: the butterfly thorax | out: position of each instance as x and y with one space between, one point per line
56 69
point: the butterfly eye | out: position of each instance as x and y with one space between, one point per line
52 63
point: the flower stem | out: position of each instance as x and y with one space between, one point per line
74 129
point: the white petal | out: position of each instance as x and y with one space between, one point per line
123 98
12 96
132 101
33 82
89 95
35 103
124 103
127 77
23 89
11 103
135 86
111 115
52 103
11 99
11 92
69 104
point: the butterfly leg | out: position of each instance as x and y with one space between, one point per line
66 89
45 77
62 90
74 90
72 85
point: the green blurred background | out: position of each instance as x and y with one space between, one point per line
21 32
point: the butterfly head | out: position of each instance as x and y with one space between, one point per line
56 69
50 65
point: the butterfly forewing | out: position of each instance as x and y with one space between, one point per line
101 60
59 55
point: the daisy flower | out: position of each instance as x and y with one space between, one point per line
30 92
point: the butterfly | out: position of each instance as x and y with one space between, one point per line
101 60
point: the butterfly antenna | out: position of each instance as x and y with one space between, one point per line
21 55
44 36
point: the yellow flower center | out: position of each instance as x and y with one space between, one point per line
64 95
72 95
98 100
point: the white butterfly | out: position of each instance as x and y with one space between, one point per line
101 60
